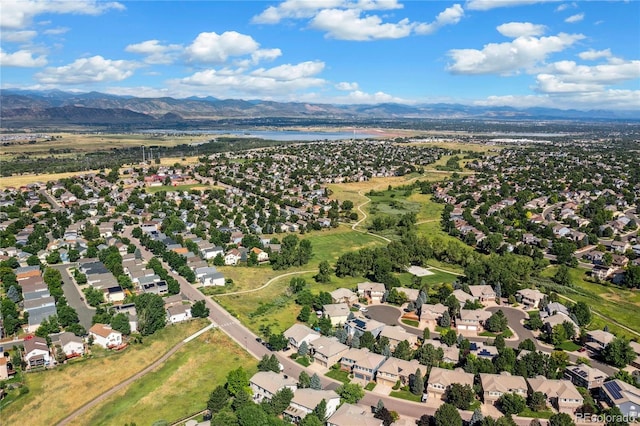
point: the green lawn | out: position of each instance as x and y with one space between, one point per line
154 189
303 361
339 375
402 394
195 370
528 412
614 302
412 323
568 345
438 277
370 386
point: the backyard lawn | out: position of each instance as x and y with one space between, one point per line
339 375
195 370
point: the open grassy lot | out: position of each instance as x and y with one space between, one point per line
614 302
474 147
351 191
438 277
56 393
195 370
19 180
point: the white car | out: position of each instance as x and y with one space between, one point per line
363 309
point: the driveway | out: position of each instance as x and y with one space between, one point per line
73 295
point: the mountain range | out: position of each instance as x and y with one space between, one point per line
20 108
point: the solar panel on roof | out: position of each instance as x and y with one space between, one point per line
582 373
614 389
359 323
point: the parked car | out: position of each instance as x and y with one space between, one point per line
582 349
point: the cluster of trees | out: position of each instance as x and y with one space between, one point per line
8 305
175 261
173 287
293 252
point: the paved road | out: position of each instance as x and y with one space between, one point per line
74 295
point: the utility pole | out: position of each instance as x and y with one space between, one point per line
143 153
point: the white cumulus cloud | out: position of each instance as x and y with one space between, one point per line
291 72
509 57
450 16
304 9
346 86
592 55
575 18
56 31
154 51
88 70
493 4
18 36
521 29
217 48
21 58
19 13
351 25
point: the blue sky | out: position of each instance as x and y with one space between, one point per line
583 54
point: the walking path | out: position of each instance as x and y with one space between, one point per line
86 407
262 287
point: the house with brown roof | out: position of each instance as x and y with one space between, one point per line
298 333
462 297
598 339
530 297
265 384
337 312
349 415
344 295
471 322
397 334
395 369
36 352
306 400
496 385
430 315
622 395
561 394
362 363
373 292
585 376
103 335
327 351
440 379
483 293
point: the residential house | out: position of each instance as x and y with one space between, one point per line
327 351
598 339
585 376
554 308
103 335
530 297
430 315
36 352
232 257
471 322
394 370
561 394
72 345
440 379
265 384
362 363
360 325
462 297
349 415
306 400
298 333
209 275
482 350
483 293
178 313
373 292
4 368
636 349
338 312
495 385
262 255
557 319
622 395
343 295
397 334
209 253
411 293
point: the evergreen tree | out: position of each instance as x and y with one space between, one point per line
304 381
321 411
303 349
417 383
315 382
218 399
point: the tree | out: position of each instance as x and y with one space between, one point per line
460 396
367 340
218 399
403 351
280 401
569 329
426 333
304 381
151 313
94 296
499 343
424 420
445 319
320 411
269 363
416 383
278 342
315 382
447 415
449 337
537 401
582 313
618 353
237 381
252 415
562 276
311 420
497 322
511 403
558 334
476 418
324 272
303 349
199 309
561 419
527 344
120 322
350 393
384 415
614 417
304 314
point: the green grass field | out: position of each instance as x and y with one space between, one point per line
193 372
49 401
402 394
621 305
339 375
